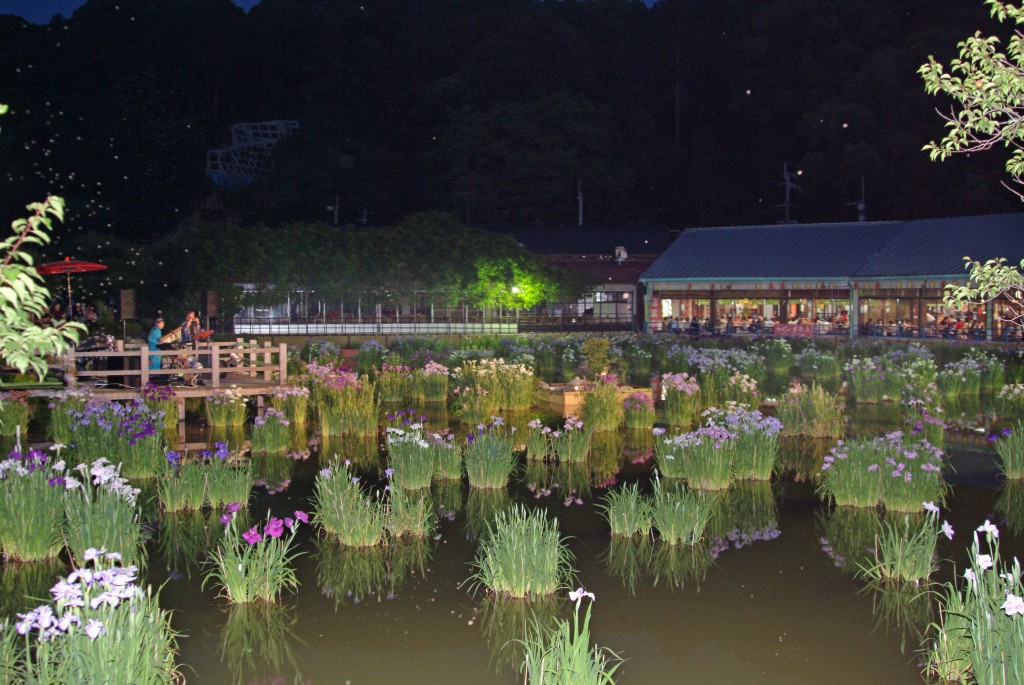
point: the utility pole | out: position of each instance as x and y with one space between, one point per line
579 201
366 216
788 185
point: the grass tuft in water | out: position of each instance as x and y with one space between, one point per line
628 511
522 555
489 458
563 655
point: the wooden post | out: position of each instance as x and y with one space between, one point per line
266 362
70 377
215 365
252 359
282 364
145 365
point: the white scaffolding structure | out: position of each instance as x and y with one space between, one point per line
250 152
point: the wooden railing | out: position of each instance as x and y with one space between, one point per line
268 361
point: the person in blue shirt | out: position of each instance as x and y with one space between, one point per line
155 334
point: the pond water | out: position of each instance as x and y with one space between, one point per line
774 601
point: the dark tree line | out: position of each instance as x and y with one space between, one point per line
682 114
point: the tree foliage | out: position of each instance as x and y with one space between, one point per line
24 344
986 86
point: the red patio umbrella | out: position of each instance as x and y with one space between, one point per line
67 267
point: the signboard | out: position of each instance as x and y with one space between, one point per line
793 329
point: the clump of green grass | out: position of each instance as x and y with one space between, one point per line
904 551
628 511
522 555
31 506
410 513
356 518
680 517
411 458
489 457
602 410
812 412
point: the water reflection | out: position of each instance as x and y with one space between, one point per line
449 498
257 644
743 514
482 505
187 538
677 565
350 574
605 458
272 470
561 480
361 451
25 585
848 536
353 574
802 457
1010 505
868 420
906 610
234 436
629 559
506 623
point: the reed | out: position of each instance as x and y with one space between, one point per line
489 457
100 627
447 456
430 384
257 565
293 400
812 412
682 399
680 517
522 555
410 513
981 635
125 434
602 410
1009 444
31 506
14 412
628 511
182 487
354 517
564 655
411 458
904 551
226 407
348 405
572 443
101 510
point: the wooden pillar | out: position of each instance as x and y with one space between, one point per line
990 319
714 310
282 364
215 365
145 365
854 311
267 373
70 371
922 325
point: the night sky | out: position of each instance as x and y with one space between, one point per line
41 11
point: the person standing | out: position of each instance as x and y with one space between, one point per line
190 328
155 334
